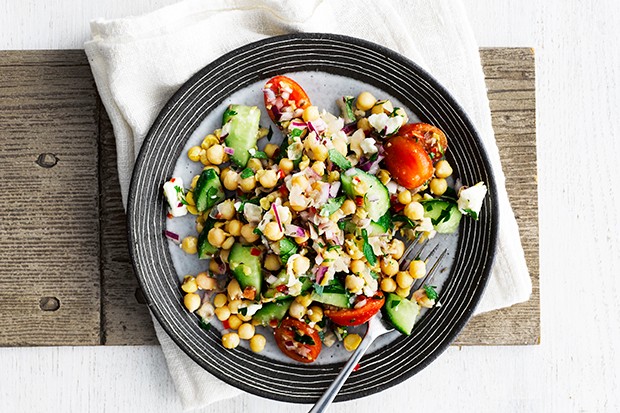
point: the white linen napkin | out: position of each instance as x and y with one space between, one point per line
139 62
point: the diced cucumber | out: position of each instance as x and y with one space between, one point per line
401 312
374 229
246 267
333 294
377 197
444 215
208 190
205 249
272 291
272 311
242 124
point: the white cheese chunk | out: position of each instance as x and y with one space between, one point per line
470 199
173 191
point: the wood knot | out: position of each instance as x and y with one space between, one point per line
140 296
47 160
49 303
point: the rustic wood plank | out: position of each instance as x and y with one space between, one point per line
510 77
49 222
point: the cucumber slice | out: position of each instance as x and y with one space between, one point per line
444 215
205 249
242 123
401 312
373 229
335 299
246 267
377 198
208 190
272 311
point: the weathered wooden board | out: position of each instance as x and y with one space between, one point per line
49 208
59 249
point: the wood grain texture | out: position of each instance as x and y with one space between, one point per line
124 318
510 78
49 211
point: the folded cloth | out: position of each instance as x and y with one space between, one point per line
139 62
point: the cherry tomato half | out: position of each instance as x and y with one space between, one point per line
298 340
407 161
430 137
281 92
357 316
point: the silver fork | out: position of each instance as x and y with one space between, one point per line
377 327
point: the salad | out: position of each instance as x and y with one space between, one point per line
303 239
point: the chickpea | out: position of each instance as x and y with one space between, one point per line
297 310
388 285
190 245
384 176
311 113
348 207
404 197
272 262
203 157
246 331
194 180
352 341
357 266
364 125
414 211
271 150
231 181
397 248
404 279
286 165
333 176
205 282
403 292
438 186
353 283
315 313
216 237
269 179
247 232
192 302
301 240
194 153
248 184
233 306
220 300
319 167
230 241
272 231
227 210
189 284
215 168
300 181
230 340
214 267
319 152
417 269
389 266
340 145
233 227
301 265
382 106
365 101
215 154
209 141
234 322
222 313
257 343
443 169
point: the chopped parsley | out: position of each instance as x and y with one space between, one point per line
260 155
331 206
204 325
257 231
339 160
318 289
303 339
296 132
468 211
243 311
287 249
386 221
430 292
367 249
246 173
402 218
229 113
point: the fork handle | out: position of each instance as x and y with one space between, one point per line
332 391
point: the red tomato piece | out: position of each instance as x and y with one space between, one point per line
407 161
298 340
357 316
282 95
433 139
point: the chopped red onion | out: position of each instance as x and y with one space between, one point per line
229 151
275 213
333 189
270 96
349 128
320 274
172 236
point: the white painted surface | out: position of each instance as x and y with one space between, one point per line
576 366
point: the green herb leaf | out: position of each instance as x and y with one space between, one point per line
342 224
246 173
229 113
296 132
260 155
374 275
243 310
204 325
386 221
303 339
287 248
468 211
332 205
257 231
430 292
444 216
402 218
321 333
339 160
367 249
334 247
318 289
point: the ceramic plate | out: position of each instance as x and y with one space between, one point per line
327 67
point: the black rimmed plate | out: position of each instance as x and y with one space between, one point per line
335 65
